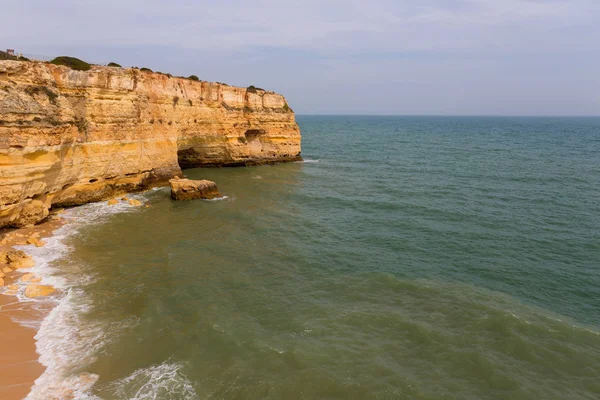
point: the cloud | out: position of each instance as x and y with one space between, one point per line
519 48
344 26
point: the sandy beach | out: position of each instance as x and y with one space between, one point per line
19 366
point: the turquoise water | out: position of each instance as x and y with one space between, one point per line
408 258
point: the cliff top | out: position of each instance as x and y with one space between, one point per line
70 63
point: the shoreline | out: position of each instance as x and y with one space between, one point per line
19 364
25 368
20 320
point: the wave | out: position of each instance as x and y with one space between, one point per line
308 161
64 342
218 198
164 381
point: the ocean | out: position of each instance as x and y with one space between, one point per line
405 258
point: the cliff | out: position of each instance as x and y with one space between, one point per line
70 137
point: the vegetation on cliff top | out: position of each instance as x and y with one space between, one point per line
80 65
5 56
253 89
72 62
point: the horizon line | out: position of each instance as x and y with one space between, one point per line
450 115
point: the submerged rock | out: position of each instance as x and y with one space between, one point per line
187 189
112 202
34 290
135 203
12 290
30 278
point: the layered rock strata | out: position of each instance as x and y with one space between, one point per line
187 189
70 137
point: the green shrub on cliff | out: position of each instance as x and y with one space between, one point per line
193 78
72 62
146 69
5 56
253 89
113 64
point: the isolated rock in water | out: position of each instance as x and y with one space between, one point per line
18 259
135 203
30 278
34 290
112 202
34 240
125 198
187 189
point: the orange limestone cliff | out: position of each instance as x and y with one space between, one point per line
70 137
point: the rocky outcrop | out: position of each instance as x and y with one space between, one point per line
71 137
187 189
34 290
15 259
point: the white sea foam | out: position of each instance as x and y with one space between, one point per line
308 161
218 198
164 381
64 342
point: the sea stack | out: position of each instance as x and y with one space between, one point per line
187 189
71 137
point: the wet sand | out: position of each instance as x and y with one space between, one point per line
19 366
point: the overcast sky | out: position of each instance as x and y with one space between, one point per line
466 57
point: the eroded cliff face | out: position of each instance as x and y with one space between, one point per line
71 137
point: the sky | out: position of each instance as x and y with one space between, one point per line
392 57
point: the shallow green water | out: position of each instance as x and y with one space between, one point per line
425 258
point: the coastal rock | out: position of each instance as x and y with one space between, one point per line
18 259
71 137
1 282
7 270
12 290
34 240
135 203
187 189
30 278
34 290
113 202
